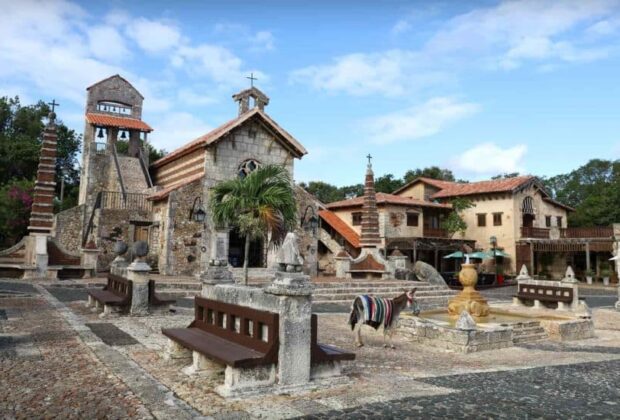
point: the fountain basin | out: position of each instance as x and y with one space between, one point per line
503 327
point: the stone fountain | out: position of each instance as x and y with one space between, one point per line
469 300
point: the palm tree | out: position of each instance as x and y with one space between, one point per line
260 205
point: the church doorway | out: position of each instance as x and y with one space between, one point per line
236 247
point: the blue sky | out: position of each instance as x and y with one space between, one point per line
478 87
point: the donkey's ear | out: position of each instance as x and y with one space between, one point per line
413 290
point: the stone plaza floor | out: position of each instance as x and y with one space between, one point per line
60 360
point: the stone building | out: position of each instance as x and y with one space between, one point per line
125 197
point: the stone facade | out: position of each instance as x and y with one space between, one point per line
68 228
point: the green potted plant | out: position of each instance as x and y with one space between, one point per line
605 273
589 275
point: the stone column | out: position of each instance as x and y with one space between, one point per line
138 272
295 291
343 264
41 258
398 263
89 261
570 280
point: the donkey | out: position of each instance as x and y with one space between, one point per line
378 312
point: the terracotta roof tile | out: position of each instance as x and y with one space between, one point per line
434 182
160 195
105 120
346 231
383 198
214 135
483 187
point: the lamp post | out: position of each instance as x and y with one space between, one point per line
493 241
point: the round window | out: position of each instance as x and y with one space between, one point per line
247 167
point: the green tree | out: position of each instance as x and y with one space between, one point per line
434 172
15 203
21 129
387 183
506 175
122 147
593 190
454 222
323 191
260 205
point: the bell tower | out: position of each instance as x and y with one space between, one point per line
113 128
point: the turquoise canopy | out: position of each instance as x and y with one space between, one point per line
457 254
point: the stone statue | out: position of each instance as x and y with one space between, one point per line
426 272
289 259
569 277
140 250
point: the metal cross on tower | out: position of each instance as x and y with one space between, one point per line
54 104
369 157
252 78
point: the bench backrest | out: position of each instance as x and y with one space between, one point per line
120 286
550 293
251 328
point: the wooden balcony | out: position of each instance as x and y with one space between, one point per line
534 232
602 232
429 232
587 232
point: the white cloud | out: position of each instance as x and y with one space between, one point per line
401 26
490 159
107 44
604 27
176 129
388 73
503 36
419 121
195 98
262 40
154 36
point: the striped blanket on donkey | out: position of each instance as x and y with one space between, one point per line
377 312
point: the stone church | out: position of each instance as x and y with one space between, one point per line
124 196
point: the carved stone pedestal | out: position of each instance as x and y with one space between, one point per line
469 299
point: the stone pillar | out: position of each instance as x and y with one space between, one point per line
41 258
398 263
570 280
138 272
89 261
295 291
343 264
119 265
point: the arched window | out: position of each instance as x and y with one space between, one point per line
528 205
247 167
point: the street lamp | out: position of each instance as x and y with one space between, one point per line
312 223
493 241
197 212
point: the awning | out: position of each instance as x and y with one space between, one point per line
457 254
104 120
498 253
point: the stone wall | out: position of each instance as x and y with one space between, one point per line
68 228
308 240
182 235
114 224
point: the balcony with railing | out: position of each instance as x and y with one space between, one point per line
429 232
595 232
128 201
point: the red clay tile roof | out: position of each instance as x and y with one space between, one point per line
105 120
437 183
383 198
160 195
484 187
215 135
341 227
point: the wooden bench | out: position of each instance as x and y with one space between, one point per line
155 300
322 353
117 293
544 293
230 334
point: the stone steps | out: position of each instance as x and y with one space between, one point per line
373 284
178 285
133 177
324 297
426 303
528 332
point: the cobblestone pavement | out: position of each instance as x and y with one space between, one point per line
574 391
48 336
47 371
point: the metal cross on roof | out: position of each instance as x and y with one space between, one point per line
252 78
54 104
369 157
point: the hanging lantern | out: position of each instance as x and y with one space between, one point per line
100 133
